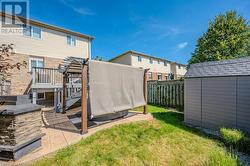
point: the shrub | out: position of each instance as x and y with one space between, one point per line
232 137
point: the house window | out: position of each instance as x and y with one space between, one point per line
139 58
150 76
159 77
35 62
33 31
40 96
158 61
151 60
71 40
165 63
179 66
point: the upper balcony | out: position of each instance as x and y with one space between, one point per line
48 78
43 78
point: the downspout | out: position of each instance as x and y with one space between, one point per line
90 49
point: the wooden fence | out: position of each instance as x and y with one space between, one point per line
166 93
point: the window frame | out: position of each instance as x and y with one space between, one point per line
159 74
37 60
71 40
165 63
150 75
31 32
139 58
151 60
40 98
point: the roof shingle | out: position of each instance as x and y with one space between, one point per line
232 67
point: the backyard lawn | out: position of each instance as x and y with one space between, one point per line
162 141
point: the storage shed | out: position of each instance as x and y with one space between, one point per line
217 94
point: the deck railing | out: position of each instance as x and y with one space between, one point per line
52 78
46 77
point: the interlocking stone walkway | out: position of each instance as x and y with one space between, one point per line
58 139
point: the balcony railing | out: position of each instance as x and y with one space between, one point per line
52 78
46 78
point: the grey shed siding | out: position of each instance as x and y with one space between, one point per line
224 94
243 103
192 105
219 102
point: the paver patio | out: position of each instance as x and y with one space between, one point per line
58 139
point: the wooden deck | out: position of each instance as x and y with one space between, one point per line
61 121
71 120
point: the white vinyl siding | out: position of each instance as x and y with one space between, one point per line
52 44
153 66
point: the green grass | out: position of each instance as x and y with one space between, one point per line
162 141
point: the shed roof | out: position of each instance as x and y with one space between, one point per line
233 67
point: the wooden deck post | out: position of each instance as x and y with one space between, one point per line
55 98
84 99
145 109
34 96
64 93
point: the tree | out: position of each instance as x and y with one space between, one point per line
227 37
99 58
6 64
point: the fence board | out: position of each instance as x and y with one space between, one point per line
166 93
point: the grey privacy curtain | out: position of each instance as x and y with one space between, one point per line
114 87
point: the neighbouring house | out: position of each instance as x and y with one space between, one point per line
160 69
43 47
217 94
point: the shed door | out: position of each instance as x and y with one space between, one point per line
219 102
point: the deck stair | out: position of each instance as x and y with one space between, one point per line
72 68
73 100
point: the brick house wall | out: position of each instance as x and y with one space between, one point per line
155 76
21 79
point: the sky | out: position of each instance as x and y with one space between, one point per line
167 29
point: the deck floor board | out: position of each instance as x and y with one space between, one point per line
64 121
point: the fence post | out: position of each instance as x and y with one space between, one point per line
84 99
145 111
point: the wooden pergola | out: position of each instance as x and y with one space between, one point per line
79 66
